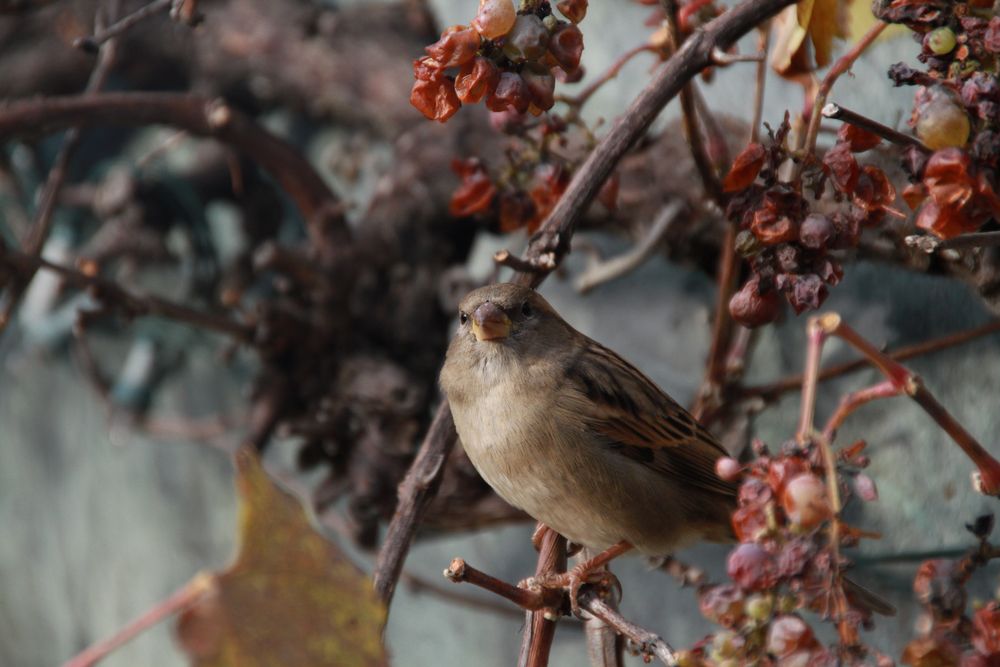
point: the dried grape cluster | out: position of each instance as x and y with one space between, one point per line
524 192
786 244
507 58
946 634
956 113
785 563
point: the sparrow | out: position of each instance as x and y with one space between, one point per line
576 436
568 431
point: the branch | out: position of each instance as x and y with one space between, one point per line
203 117
842 65
685 64
415 493
931 244
770 392
132 304
906 382
843 114
540 626
177 602
648 643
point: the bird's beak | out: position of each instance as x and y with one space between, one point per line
490 323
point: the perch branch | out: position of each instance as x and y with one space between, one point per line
648 643
540 626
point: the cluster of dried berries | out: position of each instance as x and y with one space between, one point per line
528 189
784 564
509 59
947 636
786 245
955 114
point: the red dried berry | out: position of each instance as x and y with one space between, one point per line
477 79
986 630
566 46
843 169
728 469
751 306
745 168
457 46
805 501
933 651
541 86
772 228
782 470
574 10
752 567
816 231
476 192
789 634
495 18
722 605
436 99
527 40
857 139
511 93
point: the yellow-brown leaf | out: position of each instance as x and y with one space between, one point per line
290 598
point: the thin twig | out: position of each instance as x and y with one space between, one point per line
648 643
770 392
988 481
93 42
179 601
532 597
854 400
603 271
763 45
41 226
445 592
113 295
817 335
931 244
842 65
611 72
843 114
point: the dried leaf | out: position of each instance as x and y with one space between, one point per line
290 597
745 168
818 20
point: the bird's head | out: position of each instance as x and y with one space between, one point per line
504 316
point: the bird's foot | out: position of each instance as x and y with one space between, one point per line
590 571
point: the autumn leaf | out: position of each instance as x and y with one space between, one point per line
805 34
290 598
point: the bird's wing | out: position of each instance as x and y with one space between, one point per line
639 420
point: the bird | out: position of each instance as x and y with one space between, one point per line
577 437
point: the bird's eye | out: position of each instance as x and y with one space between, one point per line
527 310
463 317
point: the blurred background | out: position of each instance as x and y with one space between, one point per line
115 472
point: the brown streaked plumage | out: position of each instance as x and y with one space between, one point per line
577 437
